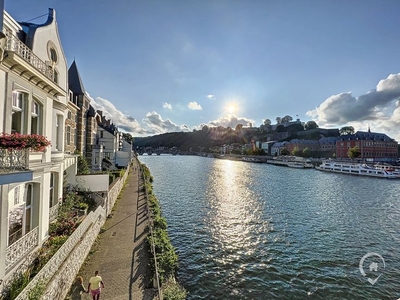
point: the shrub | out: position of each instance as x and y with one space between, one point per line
172 290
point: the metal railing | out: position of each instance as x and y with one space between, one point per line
153 247
21 247
16 45
13 160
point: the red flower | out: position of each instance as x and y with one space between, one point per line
23 141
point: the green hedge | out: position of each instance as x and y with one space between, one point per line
167 259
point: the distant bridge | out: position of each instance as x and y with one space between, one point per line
158 151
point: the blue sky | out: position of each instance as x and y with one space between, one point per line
159 66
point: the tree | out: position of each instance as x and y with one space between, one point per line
278 120
310 125
285 151
280 128
127 137
306 152
286 119
346 130
83 167
353 152
267 122
238 127
296 151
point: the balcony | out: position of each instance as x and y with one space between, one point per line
21 247
14 166
19 58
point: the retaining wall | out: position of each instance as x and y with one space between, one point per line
60 272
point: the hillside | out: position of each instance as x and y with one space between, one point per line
206 138
210 137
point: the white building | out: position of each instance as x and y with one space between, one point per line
33 100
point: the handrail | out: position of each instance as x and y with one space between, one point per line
153 247
16 45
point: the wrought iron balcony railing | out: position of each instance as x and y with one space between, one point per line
16 45
21 247
13 160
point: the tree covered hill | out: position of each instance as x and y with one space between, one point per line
209 137
206 138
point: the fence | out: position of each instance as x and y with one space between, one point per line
153 247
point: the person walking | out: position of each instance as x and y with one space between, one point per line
77 289
95 285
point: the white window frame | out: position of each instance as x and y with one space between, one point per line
36 113
27 211
68 135
19 100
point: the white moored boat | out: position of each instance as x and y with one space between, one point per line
354 169
299 165
387 167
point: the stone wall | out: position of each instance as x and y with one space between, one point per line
60 272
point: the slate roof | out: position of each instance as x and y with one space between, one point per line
30 28
74 80
366 135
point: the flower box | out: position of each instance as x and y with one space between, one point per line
34 142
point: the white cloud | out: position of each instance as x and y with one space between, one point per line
167 105
158 125
379 109
194 106
211 97
122 121
228 121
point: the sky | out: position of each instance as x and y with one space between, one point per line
162 66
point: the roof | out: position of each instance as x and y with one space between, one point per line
366 135
75 81
30 28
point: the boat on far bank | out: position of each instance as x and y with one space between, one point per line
299 165
251 159
384 166
355 169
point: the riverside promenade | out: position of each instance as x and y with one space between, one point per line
120 253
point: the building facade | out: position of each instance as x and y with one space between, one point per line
374 147
33 100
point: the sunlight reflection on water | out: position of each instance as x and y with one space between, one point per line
256 231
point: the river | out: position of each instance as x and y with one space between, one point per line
258 231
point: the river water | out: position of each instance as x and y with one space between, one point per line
258 231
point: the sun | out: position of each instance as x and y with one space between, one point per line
231 108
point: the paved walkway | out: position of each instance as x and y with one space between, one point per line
120 253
